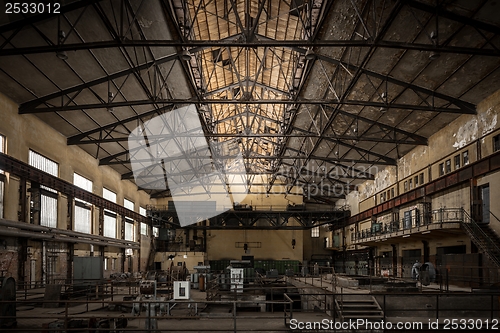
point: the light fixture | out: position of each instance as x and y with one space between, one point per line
434 55
62 54
110 99
406 236
185 256
293 243
426 232
310 55
185 55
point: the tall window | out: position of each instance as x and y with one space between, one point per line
129 223
48 199
456 159
465 157
315 232
83 212
441 169
144 226
448 166
496 143
109 216
2 149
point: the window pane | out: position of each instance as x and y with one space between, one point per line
128 204
109 226
129 230
1 199
82 219
109 195
2 146
43 163
315 232
142 211
144 229
82 182
465 156
48 211
448 166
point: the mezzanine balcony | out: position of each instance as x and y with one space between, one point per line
437 221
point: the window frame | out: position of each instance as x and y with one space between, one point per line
315 232
456 161
496 143
465 158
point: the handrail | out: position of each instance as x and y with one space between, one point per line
478 234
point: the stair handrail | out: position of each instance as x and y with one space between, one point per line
494 215
475 230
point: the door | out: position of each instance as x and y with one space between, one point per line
485 196
32 273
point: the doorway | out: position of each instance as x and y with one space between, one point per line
485 198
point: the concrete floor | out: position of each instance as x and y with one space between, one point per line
31 318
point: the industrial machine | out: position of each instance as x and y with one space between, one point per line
236 270
7 302
182 290
148 301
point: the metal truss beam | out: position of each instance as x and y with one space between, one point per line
325 102
465 107
239 220
31 105
308 134
418 138
253 44
77 139
305 134
453 16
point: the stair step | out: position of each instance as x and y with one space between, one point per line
358 306
356 301
364 317
361 311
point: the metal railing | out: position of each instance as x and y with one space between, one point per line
91 312
442 217
481 239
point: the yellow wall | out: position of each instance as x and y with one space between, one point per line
274 244
24 132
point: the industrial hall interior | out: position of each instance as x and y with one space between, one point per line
249 165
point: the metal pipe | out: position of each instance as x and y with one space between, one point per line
52 237
33 227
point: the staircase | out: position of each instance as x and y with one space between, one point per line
483 237
352 307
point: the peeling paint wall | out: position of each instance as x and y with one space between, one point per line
460 135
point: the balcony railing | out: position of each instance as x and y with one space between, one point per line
444 217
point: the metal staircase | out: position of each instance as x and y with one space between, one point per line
483 237
352 307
